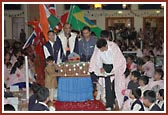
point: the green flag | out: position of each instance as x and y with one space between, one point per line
77 19
52 20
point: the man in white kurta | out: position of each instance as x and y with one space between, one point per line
110 54
69 41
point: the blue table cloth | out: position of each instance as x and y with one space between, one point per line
75 89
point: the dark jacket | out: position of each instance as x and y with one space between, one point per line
32 101
155 108
39 107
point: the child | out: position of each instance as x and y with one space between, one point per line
143 83
130 64
9 66
136 104
17 53
140 63
149 98
133 80
9 107
7 69
35 87
133 83
16 75
160 97
50 76
8 93
157 83
148 67
42 100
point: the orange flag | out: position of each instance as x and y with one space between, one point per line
44 21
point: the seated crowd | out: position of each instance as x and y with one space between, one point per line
144 82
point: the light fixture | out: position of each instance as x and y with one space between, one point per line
162 5
97 6
157 11
124 6
120 12
129 25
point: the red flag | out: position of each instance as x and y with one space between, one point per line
39 41
52 9
64 17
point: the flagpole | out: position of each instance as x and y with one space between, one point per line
27 40
69 14
78 24
71 17
27 78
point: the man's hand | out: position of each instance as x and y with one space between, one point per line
102 70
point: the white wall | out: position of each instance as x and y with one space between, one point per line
8 21
98 15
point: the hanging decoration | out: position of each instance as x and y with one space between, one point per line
13 15
127 13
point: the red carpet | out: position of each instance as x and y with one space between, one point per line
91 105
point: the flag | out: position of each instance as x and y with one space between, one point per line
30 40
44 21
51 15
38 41
48 19
52 9
78 20
63 18
36 26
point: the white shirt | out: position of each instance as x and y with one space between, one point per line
43 104
136 107
133 67
149 69
139 53
160 104
143 89
46 52
71 40
104 57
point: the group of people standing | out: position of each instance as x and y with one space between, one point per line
66 42
104 57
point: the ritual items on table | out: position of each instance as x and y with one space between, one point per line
73 69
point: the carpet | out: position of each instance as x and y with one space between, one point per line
90 105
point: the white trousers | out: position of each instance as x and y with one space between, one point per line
101 93
53 94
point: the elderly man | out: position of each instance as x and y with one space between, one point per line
69 41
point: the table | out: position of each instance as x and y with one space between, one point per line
75 89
